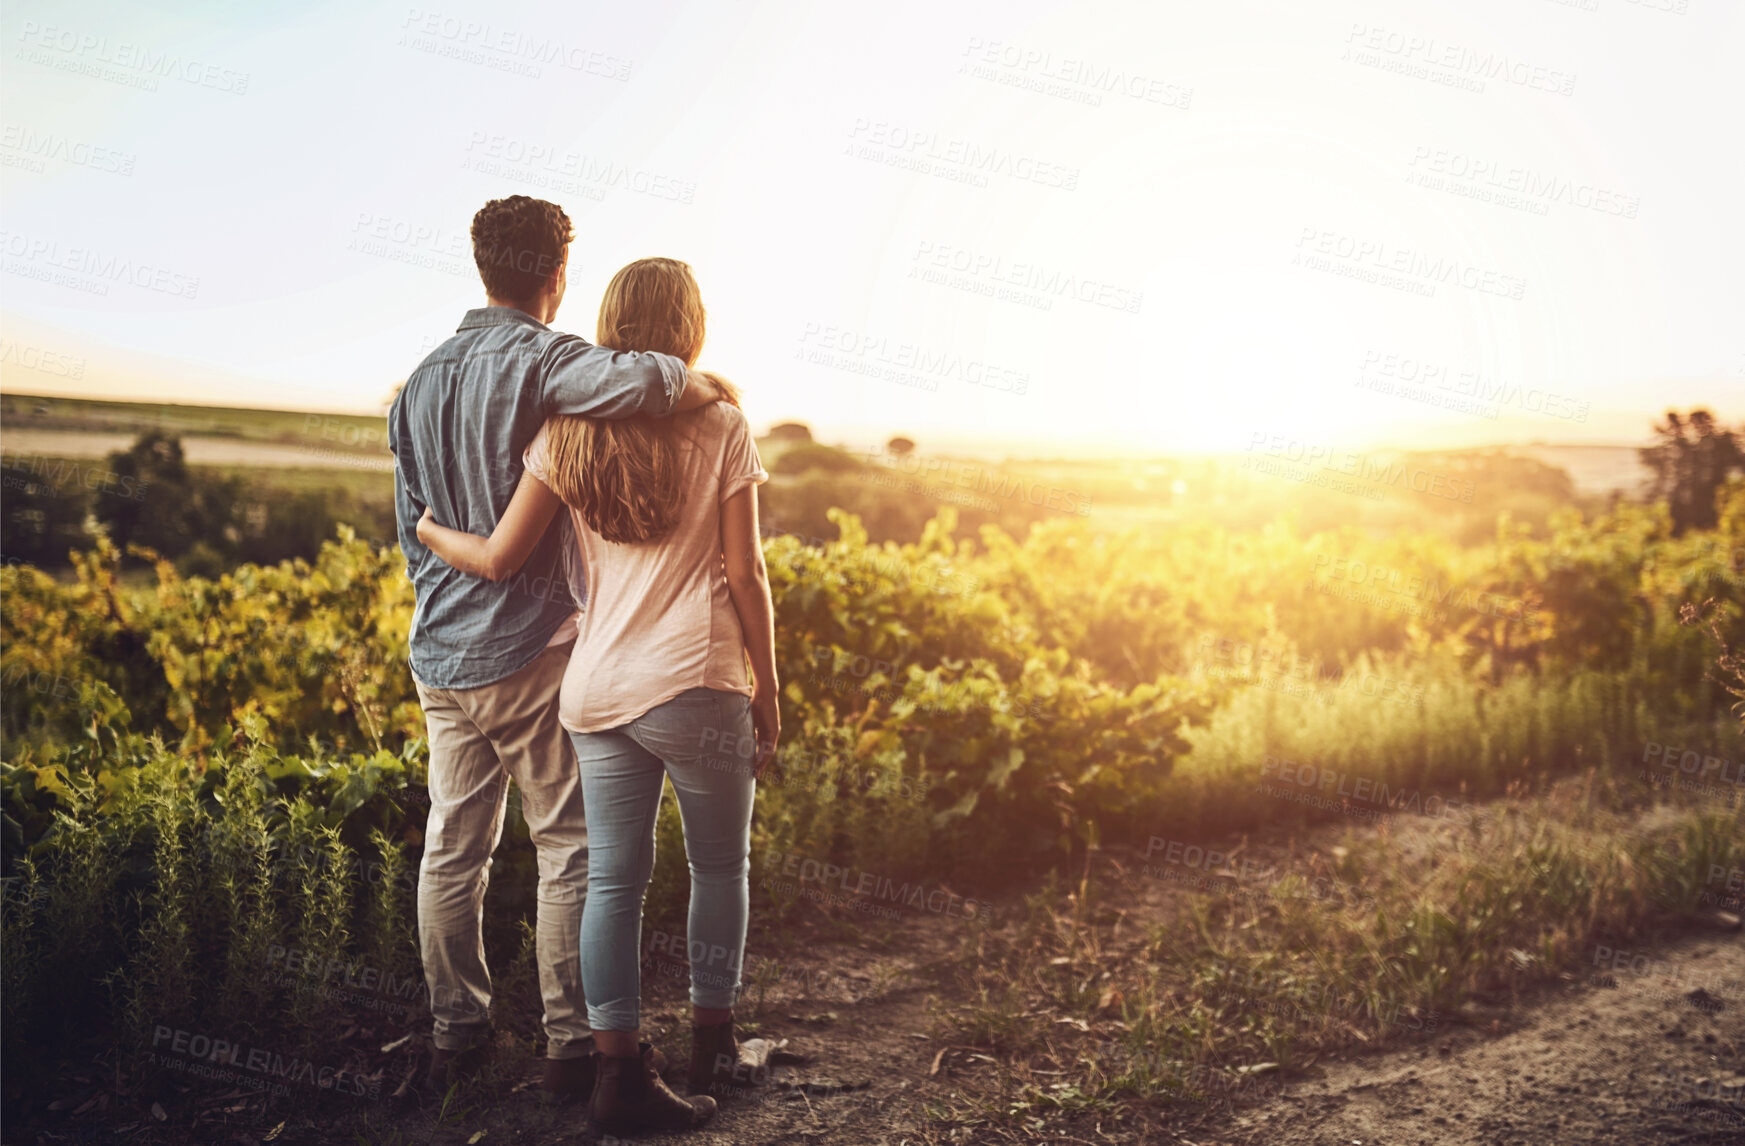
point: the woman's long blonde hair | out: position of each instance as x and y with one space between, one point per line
623 475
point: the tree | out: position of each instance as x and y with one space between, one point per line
150 497
1690 461
900 447
798 459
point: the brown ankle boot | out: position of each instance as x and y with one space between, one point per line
629 1096
567 1079
449 1068
716 1067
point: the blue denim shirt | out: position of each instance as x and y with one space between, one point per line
458 428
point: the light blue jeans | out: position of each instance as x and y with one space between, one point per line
692 739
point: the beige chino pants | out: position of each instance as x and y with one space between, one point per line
480 738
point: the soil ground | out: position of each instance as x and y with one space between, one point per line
1654 1056
1645 1046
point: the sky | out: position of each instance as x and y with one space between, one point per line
1157 227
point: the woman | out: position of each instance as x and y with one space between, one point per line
665 516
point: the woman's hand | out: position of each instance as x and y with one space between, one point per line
766 725
424 524
748 586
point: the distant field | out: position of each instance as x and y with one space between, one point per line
1594 469
88 428
895 494
300 433
199 451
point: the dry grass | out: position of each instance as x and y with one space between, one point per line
1086 1007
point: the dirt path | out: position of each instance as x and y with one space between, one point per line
1647 1059
1648 1046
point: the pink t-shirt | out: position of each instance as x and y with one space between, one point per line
658 618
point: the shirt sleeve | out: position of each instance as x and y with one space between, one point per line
405 459
577 377
536 458
740 464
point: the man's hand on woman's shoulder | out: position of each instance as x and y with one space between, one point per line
703 387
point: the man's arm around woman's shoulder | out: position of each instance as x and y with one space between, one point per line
577 377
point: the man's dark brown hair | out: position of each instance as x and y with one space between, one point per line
517 243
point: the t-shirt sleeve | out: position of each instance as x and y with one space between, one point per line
740 464
535 459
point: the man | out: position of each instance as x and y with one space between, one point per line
488 657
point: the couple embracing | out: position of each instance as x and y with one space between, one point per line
580 525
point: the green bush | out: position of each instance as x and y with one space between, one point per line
199 770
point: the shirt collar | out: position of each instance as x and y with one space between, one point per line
497 316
